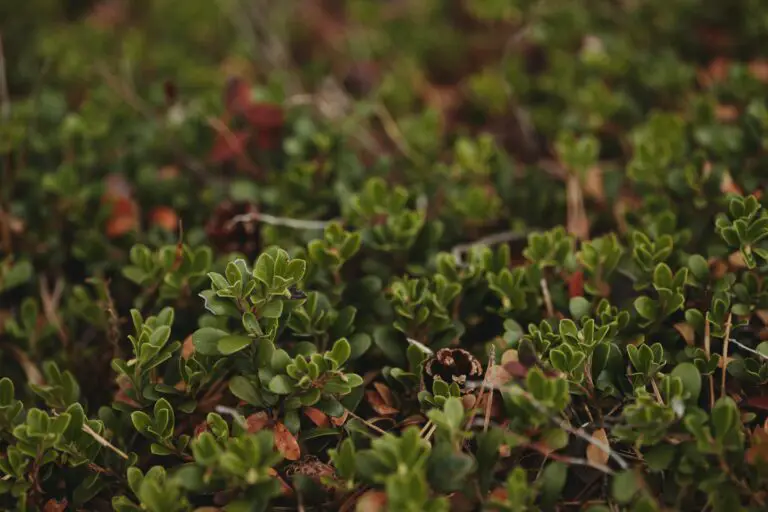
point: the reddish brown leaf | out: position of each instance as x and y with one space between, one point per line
759 402
576 284
168 172
257 421
285 489
378 404
385 393
124 217
264 116
237 94
341 419
164 217
726 113
759 70
53 505
317 416
497 376
228 146
286 443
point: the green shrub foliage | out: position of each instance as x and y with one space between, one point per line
410 256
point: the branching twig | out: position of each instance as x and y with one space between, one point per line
287 222
367 423
50 301
547 298
223 409
103 442
750 350
726 339
567 426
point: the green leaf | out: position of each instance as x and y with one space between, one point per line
244 389
624 486
691 377
206 340
281 385
579 307
341 351
660 457
232 343
553 481
272 309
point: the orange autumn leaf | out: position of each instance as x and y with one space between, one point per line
256 422
378 404
595 454
317 416
53 505
187 348
341 419
286 443
164 217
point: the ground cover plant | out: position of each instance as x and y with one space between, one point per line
409 255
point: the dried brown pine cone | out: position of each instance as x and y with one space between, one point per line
451 365
227 234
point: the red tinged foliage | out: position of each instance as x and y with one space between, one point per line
263 124
576 284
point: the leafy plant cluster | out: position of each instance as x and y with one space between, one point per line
419 255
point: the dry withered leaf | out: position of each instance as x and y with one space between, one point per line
372 501
124 214
317 416
736 260
758 450
187 348
286 443
468 401
728 186
576 284
497 376
256 421
759 69
726 113
509 355
378 404
593 184
595 454
284 487
54 505
164 217
577 222
168 172
686 331
341 419
759 402
228 146
385 392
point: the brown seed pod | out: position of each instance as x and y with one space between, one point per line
451 365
